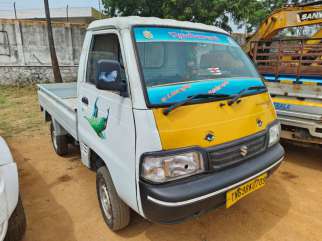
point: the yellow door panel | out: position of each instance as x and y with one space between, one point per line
188 125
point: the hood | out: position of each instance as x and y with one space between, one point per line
190 124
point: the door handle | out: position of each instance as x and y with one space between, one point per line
85 100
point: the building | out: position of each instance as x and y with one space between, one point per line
83 15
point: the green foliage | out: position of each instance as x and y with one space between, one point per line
133 7
3 100
205 11
216 12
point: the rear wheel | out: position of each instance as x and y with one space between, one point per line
17 224
115 212
60 143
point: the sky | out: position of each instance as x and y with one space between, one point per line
31 4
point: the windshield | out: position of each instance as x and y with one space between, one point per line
177 63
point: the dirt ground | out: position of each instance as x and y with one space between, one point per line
60 198
60 201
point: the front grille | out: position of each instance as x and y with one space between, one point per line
232 153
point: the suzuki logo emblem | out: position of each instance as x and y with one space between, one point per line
243 150
210 137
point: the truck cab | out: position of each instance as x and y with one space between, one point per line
171 115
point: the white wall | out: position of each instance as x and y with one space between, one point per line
24 49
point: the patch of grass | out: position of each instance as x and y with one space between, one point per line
2 100
19 112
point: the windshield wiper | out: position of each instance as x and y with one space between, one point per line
241 93
192 97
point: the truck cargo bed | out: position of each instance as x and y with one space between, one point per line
60 101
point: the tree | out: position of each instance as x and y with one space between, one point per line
252 12
204 11
214 12
133 7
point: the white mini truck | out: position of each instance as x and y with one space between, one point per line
171 115
12 216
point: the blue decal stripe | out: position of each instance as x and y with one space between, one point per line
152 34
172 93
315 81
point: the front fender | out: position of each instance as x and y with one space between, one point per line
9 184
9 190
5 154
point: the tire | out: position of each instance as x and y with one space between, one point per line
115 212
17 224
60 143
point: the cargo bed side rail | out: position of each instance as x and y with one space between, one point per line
54 100
299 59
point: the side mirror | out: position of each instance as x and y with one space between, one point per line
108 77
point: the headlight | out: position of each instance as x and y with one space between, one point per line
274 134
165 168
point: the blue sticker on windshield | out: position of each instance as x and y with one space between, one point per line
150 34
166 94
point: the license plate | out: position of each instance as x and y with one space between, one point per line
238 193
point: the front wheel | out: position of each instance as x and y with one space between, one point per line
115 212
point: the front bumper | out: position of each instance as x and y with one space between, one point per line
175 201
295 122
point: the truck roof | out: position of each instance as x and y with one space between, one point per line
128 22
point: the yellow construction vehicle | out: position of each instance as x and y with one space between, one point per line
287 17
292 68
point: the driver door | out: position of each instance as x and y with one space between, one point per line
106 122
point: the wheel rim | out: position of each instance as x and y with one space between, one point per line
105 200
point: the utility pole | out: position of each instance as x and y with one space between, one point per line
67 8
15 10
53 55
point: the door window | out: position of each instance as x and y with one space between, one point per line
104 47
